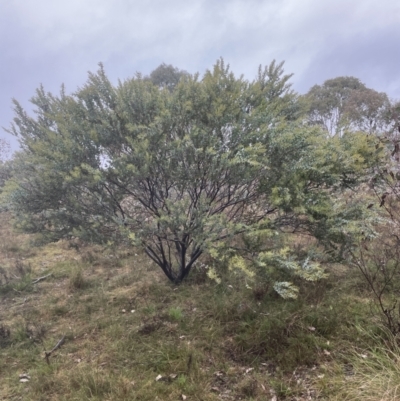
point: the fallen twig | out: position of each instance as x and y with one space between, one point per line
47 354
40 279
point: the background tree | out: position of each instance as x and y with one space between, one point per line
167 76
179 172
5 165
345 103
4 149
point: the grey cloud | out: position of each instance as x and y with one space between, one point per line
53 42
373 57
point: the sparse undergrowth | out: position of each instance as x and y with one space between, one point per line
128 334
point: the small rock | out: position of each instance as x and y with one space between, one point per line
24 378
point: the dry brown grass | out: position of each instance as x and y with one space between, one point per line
125 325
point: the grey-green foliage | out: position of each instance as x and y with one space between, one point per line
179 171
167 76
4 166
4 149
346 104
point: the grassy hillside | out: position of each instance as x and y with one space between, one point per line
121 331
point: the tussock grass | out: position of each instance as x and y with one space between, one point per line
373 369
77 281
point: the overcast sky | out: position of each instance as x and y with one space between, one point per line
51 42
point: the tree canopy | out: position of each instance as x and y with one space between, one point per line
166 76
180 171
346 104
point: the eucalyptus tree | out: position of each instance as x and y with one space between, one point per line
166 76
346 104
